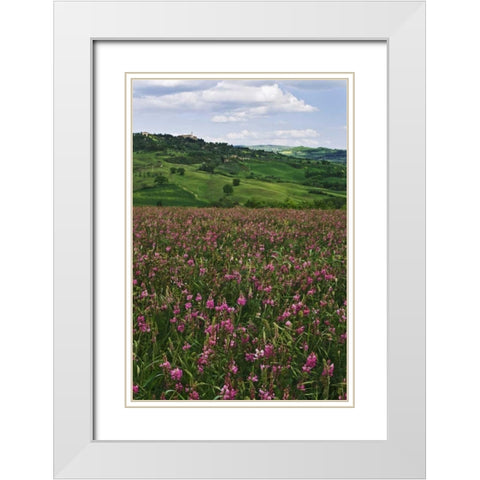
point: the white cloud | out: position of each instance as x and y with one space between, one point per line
173 101
230 101
308 133
306 138
242 134
291 142
264 96
234 117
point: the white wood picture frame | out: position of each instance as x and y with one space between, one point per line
78 25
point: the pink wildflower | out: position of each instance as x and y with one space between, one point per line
166 365
228 392
310 363
269 350
210 303
242 300
250 357
328 369
266 395
176 374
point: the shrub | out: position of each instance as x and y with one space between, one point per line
161 180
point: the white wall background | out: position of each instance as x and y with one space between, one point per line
453 258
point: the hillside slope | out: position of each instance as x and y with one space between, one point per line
178 171
308 153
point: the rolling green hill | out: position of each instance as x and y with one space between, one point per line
182 171
318 153
308 153
267 148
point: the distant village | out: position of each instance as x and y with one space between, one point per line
187 135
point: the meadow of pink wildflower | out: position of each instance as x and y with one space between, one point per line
239 304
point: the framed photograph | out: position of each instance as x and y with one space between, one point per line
249 302
239 239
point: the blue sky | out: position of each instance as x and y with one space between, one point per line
311 113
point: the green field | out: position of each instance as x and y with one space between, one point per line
265 178
169 194
308 153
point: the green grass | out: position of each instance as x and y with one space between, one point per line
318 153
199 188
209 187
168 195
282 171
